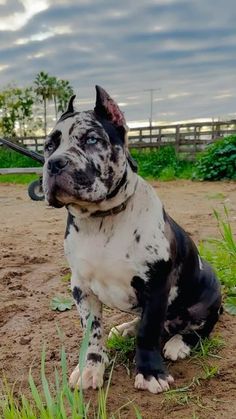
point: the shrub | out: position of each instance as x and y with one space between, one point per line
163 163
10 158
218 161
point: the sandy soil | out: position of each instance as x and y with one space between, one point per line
32 265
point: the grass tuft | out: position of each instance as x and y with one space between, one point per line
208 347
123 347
221 253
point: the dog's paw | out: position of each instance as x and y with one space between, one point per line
91 377
125 329
152 384
176 348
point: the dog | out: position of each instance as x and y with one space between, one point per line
123 249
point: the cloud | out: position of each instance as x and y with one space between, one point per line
184 47
15 14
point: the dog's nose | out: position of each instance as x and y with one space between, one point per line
56 165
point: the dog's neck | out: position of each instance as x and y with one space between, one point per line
114 203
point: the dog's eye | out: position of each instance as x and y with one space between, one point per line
49 147
91 140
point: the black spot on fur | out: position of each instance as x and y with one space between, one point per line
94 357
77 294
127 255
116 134
70 222
118 186
140 290
97 335
95 323
71 128
136 235
101 223
86 177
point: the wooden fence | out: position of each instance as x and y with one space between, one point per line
188 138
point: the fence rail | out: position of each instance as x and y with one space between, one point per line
20 170
188 138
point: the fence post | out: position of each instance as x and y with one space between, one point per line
177 138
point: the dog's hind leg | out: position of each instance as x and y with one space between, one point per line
179 346
125 329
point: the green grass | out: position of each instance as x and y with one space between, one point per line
208 347
54 399
10 158
221 253
23 179
123 347
66 277
164 164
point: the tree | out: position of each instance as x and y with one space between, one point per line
65 91
49 88
24 109
16 108
44 91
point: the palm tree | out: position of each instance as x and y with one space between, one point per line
65 91
44 91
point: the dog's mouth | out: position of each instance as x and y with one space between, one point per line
60 190
54 194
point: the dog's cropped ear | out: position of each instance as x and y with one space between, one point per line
70 106
107 108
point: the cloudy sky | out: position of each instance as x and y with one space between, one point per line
184 49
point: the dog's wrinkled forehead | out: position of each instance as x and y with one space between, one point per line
78 123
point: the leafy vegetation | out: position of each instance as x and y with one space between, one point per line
208 347
10 158
221 253
16 107
123 347
48 88
56 400
163 163
218 161
62 303
19 106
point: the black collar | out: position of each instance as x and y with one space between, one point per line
112 211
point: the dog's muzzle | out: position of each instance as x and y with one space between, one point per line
57 165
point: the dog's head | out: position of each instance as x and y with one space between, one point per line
86 154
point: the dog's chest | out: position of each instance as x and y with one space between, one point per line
105 257
104 263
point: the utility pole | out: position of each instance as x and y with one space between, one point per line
151 91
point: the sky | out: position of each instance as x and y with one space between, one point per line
183 49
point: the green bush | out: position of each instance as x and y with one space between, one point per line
10 158
218 161
163 163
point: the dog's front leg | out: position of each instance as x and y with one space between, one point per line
90 307
152 374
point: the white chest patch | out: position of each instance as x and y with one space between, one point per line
104 255
173 294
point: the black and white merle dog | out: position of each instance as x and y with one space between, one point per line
123 249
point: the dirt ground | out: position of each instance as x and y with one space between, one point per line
32 265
